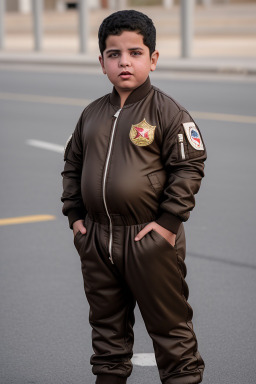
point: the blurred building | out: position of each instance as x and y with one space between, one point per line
25 6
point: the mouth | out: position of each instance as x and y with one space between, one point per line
125 74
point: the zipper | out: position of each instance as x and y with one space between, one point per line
182 151
110 241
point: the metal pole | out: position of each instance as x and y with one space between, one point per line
38 30
24 6
167 4
60 6
2 12
84 25
187 28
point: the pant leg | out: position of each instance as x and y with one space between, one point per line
155 272
111 307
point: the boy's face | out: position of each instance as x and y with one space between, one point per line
127 61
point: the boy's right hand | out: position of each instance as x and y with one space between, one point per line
78 226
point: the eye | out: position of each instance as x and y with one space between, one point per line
113 54
136 53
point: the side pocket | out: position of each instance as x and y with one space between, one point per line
78 240
163 239
157 181
77 235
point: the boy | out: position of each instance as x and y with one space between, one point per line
133 166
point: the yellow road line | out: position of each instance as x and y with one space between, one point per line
84 102
26 219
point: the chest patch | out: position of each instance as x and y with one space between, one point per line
142 134
193 136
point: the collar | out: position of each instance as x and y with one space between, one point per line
136 95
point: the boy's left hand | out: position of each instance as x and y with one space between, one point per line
168 235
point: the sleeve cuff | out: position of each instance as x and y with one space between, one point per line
169 221
74 215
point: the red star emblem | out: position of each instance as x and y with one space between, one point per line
141 132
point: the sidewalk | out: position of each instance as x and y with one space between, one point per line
224 41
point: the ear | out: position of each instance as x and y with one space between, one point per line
102 64
154 58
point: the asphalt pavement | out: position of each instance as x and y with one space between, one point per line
44 332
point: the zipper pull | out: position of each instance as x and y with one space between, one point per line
117 113
182 151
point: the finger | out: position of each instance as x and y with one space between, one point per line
83 230
143 232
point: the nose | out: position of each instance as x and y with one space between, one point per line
124 60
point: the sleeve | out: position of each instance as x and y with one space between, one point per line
183 155
73 206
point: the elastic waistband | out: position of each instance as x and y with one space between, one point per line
117 219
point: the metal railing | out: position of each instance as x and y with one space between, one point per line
186 14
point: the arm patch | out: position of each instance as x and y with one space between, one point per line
67 147
193 136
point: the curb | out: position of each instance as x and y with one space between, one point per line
214 67
198 65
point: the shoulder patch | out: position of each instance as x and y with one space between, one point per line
67 146
193 136
142 134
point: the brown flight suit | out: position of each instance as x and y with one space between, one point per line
125 168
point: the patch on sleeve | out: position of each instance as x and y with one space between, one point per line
193 136
67 146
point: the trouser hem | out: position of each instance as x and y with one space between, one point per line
110 379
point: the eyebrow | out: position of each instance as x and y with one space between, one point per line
129 49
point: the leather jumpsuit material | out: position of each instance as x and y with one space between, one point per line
118 182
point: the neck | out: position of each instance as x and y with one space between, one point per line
121 97
123 100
